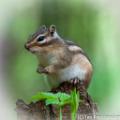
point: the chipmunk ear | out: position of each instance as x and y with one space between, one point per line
52 29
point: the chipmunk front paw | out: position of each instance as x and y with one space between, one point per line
49 69
75 81
42 69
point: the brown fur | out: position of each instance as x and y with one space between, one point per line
62 56
84 64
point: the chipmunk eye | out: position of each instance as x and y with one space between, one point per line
41 38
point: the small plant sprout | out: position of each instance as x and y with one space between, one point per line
60 99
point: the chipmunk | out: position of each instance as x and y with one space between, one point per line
61 60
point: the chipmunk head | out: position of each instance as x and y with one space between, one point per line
43 38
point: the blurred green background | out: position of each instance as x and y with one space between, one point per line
78 21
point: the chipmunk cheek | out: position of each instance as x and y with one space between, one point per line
34 49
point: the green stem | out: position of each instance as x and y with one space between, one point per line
73 115
60 113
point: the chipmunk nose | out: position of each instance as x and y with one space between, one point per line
26 46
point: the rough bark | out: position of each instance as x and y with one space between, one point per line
39 111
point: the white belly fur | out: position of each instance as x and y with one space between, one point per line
71 72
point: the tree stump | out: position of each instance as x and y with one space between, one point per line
39 111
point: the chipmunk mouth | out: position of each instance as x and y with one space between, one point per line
33 49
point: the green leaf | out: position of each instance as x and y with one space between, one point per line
63 98
60 99
51 98
52 101
43 96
